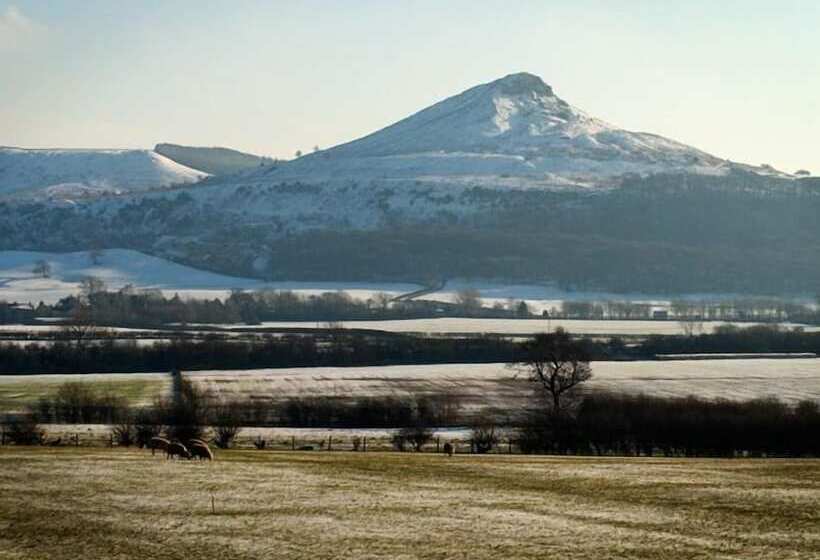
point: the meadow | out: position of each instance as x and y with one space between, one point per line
479 385
69 503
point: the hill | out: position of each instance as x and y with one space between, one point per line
216 161
87 173
505 181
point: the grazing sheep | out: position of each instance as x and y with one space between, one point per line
449 449
158 443
177 449
201 452
197 441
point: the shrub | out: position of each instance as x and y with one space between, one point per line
415 436
24 430
483 438
147 424
124 434
226 427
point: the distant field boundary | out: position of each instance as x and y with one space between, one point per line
741 356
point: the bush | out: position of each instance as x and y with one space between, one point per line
416 436
24 430
483 438
124 434
147 424
226 427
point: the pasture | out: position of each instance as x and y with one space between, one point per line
460 326
478 385
72 503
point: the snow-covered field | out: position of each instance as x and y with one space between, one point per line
495 384
477 385
119 267
457 325
541 298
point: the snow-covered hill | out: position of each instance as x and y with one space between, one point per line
121 267
512 131
84 173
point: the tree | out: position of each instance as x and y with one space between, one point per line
558 365
298 154
188 411
91 285
82 326
42 268
469 300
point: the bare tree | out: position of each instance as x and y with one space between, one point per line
42 268
558 365
91 285
82 326
469 300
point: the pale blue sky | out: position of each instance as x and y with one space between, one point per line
740 79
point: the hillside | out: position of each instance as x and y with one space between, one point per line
215 161
86 173
505 181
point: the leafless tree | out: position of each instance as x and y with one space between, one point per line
469 300
42 268
91 285
82 326
558 365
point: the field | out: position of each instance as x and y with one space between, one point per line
109 503
512 327
19 391
119 267
479 385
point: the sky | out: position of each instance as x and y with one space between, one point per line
739 79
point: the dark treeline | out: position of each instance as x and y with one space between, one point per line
728 338
266 352
131 307
338 347
85 403
607 424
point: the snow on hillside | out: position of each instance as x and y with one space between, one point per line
82 173
512 127
119 267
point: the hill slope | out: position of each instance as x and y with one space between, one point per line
514 127
504 181
81 173
216 161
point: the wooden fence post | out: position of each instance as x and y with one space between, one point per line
509 446
438 441
293 443
330 443
364 449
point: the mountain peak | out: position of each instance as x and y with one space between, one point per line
522 83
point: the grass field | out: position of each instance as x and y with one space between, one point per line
19 391
479 385
110 503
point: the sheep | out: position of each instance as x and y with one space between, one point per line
177 449
158 443
201 452
449 449
197 441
